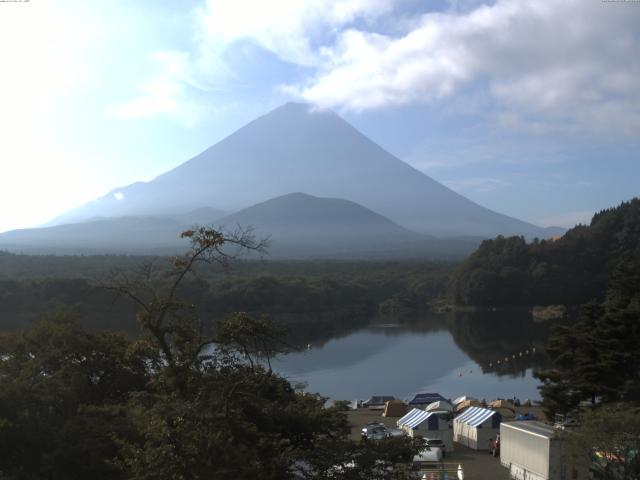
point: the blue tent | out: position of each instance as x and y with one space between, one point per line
426 398
525 416
377 400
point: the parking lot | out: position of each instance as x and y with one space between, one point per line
477 465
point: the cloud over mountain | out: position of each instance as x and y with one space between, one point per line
537 58
540 63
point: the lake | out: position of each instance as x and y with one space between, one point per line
453 354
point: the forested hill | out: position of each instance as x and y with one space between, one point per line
570 270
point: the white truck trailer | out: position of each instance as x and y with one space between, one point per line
532 451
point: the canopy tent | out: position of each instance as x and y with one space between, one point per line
475 427
377 401
461 399
425 399
440 405
394 408
501 403
418 423
462 406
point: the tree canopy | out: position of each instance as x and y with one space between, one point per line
570 270
608 440
596 359
180 402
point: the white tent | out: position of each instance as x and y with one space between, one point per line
440 405
432 425
461 399
377 401
475 427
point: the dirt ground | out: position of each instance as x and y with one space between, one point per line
477 465
360 417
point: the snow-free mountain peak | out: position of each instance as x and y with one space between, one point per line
298 147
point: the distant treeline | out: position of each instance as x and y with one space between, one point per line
315 300
21 267
571 270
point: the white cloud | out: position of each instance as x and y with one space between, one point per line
169 93
287 28
569 61
544 65
290 29
158 96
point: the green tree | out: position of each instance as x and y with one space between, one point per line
608 440
596 358
571 270
61 392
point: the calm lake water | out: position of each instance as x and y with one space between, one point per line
452 355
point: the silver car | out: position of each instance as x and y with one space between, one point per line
437 443
374 431
427 456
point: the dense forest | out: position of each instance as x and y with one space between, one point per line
166 405
570 270
314 300
596 359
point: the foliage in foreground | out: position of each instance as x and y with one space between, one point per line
597 359
608 439
178 403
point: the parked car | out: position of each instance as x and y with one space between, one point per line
395 433
374 431
437 443
427 456
372 425
377 433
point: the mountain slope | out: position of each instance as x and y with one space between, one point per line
199 216
296 148
298 225
303 226
299 214
142 235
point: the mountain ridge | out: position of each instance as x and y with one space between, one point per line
296 148
299 226
301 210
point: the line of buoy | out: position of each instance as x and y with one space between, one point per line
506 359
513 357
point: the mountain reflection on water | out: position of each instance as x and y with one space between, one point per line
452 354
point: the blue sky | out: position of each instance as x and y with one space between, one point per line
531 108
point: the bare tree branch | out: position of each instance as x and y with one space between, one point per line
167 319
